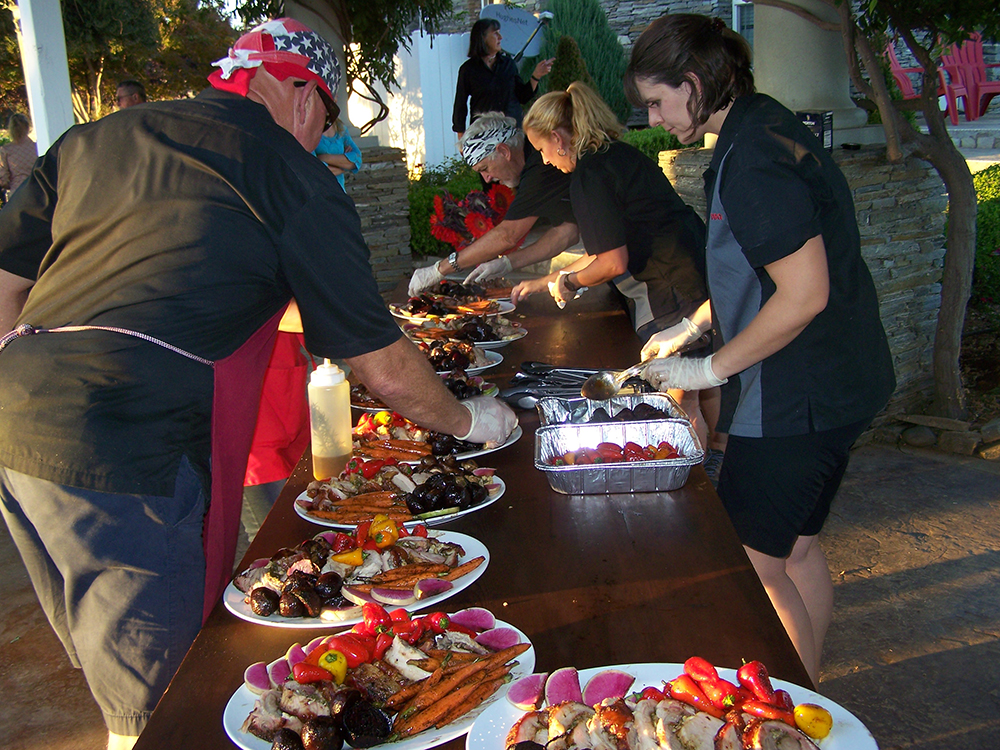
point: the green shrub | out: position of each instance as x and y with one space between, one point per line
651 141
587 23
986 277
453 176
568 67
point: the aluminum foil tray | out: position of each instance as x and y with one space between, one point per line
639 476
579 410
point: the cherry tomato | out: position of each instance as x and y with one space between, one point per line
419 530
652 693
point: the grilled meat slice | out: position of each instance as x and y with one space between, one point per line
698 732
610 726
775 735
532 727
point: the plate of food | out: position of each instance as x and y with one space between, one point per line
517 335
484 332
436 566
495 727
436 309
459 382
389 435
423 706
490 359
431 509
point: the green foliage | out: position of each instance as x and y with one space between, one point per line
568 67
651 141
587 23
453 176
986 278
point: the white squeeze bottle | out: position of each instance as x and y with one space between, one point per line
329 420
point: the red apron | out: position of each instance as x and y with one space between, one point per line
238 380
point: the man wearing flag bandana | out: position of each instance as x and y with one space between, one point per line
144 266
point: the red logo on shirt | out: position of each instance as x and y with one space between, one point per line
715 217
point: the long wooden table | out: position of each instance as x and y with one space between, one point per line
592 580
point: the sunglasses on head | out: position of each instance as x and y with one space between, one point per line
332 110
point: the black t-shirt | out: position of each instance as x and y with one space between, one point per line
543 191
621 197
779 187
496 89
193 221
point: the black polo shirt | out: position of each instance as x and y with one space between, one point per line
778 188
193 221
496 89
621 197
543 191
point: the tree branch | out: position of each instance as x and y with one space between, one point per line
800 12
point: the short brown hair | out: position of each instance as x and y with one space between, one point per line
18 126
681 47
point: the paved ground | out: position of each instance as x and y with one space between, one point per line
914 649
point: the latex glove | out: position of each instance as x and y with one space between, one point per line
423 278
685 373
561 293
669 340
492 421
491 269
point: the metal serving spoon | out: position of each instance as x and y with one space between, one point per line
605 384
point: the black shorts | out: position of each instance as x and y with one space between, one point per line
778 489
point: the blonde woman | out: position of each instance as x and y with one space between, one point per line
636 230
17 157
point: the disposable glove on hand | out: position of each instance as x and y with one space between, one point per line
685 373
561 292
491 269
492 421
423 278
666 342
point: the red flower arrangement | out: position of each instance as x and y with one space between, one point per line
460 223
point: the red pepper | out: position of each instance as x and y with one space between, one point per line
456 628
652 693
685 689
722 693
402 629
370 544
403 531
437 621
370 468
419 530
343 543
753 676
784 700
610 451
375 617
768 711
399 615
361 533
313 656
634 452
419 628
352 647
701 670
305 673
382 643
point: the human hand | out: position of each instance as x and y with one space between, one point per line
669 340
543 68
490 270
527 288
492 421
685 373
423 278
560 291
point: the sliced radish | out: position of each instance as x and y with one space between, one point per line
295 654
256 679
330 613
260 562
431 587
476 618
327 536
358 597
497 639
311 646
394 597
563 685
526 693
609 683
278 671
484 472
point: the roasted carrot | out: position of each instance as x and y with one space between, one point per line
460 570
483 691
418 721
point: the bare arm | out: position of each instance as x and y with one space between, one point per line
549 245
492 244
338 163
403 378
13 294
802 282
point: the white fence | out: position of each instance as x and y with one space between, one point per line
419 119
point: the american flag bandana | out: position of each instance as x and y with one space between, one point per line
285 40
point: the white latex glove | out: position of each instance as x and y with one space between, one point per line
669 340
685 373
492 421
423 278
491 269
561 293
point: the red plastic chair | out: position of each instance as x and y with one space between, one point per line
949 86
967 60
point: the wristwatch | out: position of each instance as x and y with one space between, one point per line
570 285
453 261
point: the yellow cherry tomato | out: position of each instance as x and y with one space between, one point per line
814 721
335 663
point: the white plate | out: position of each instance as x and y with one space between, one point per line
848 733
492 360
493 497
516 336
242 702
514 437
235 602
505 307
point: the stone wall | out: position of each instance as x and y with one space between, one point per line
379 190
900 210
629 18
